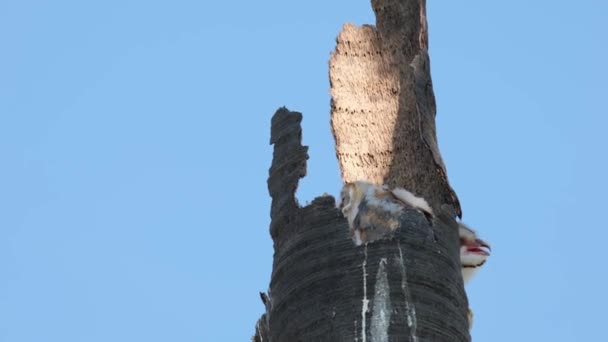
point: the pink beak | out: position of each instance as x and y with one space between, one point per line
479 247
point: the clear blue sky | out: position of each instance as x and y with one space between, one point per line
134 155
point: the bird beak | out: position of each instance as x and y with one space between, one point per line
481 247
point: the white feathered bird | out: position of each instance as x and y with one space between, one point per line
473 254
473 251
373 211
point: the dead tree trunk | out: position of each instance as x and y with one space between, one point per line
407 288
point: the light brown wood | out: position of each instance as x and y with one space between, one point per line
383 106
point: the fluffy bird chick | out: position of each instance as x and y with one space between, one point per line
473 251
373 211
473 254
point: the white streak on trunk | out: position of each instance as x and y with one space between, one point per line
381 310
364 306
409 306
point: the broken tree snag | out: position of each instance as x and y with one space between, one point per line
383 106
323 288
288 166
405 286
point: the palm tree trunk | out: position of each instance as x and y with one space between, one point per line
409 288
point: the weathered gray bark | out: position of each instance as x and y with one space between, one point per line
407 287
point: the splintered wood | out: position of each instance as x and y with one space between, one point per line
383 110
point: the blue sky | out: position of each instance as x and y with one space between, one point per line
134 157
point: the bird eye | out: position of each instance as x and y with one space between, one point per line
342 201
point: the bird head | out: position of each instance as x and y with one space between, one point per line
473 250
345 196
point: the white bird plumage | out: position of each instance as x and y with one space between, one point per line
372 211
473 251
473 254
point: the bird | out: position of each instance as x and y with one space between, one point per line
373 211
474 251
473 254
